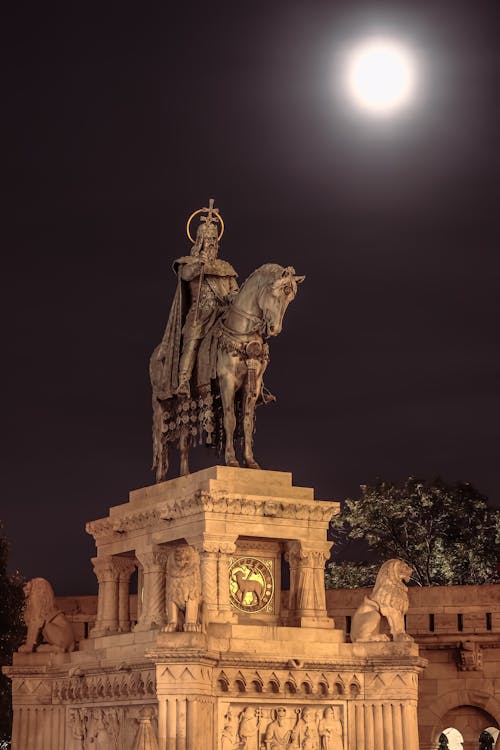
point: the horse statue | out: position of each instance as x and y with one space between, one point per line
231 362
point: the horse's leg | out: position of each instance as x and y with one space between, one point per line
252 389
227 384
184 451
162 468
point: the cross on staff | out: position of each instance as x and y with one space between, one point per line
210 218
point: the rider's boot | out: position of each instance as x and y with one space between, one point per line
186 366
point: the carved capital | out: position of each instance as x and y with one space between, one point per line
125 567
311 557
155 557
105 569
227 548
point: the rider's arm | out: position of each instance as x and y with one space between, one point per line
190 271
233 289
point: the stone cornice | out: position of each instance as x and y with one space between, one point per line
246 505
113 527
204 501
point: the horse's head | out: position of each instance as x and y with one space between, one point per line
275 297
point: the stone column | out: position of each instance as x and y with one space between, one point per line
310 604
410 726
153 563
107 573
224 611
209 578
292 558
126 567
187 707
397 725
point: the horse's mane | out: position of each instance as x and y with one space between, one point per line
270 272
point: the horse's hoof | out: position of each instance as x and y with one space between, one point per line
252 464
233 462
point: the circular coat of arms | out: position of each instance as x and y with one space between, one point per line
251 584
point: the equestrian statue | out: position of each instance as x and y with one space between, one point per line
207 372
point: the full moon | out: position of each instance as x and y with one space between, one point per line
380 76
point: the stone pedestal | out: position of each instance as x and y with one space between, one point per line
238 670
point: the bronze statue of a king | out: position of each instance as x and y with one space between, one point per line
207 372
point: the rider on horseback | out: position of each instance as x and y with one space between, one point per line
231 325
206 285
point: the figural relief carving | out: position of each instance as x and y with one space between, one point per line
276 727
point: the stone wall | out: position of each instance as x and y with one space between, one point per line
458 631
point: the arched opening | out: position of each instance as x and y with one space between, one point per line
453 739
464 725
488 738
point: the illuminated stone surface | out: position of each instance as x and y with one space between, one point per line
204 667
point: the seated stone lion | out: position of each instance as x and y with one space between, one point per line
388 599
183 590
43 619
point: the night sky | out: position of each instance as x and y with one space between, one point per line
117 123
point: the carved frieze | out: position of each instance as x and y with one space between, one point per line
233 504
291 726
94 688
144 519
287 682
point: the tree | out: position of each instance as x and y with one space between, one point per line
11 632
447 532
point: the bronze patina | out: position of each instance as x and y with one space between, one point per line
207 372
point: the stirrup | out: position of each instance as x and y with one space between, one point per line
183 389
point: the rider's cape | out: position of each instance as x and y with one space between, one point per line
164 363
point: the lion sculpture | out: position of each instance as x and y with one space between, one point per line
183 590
48 627
388 599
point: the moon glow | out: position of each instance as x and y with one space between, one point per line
380 76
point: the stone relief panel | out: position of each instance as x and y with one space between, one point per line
251 584
111 727
275 726
96 727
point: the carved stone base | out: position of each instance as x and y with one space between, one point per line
315 622
259 669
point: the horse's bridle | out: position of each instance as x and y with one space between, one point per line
259 322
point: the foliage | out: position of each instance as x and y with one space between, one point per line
11 632
350 575
446 532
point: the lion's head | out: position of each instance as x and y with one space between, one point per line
390 589
39 602
183 560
